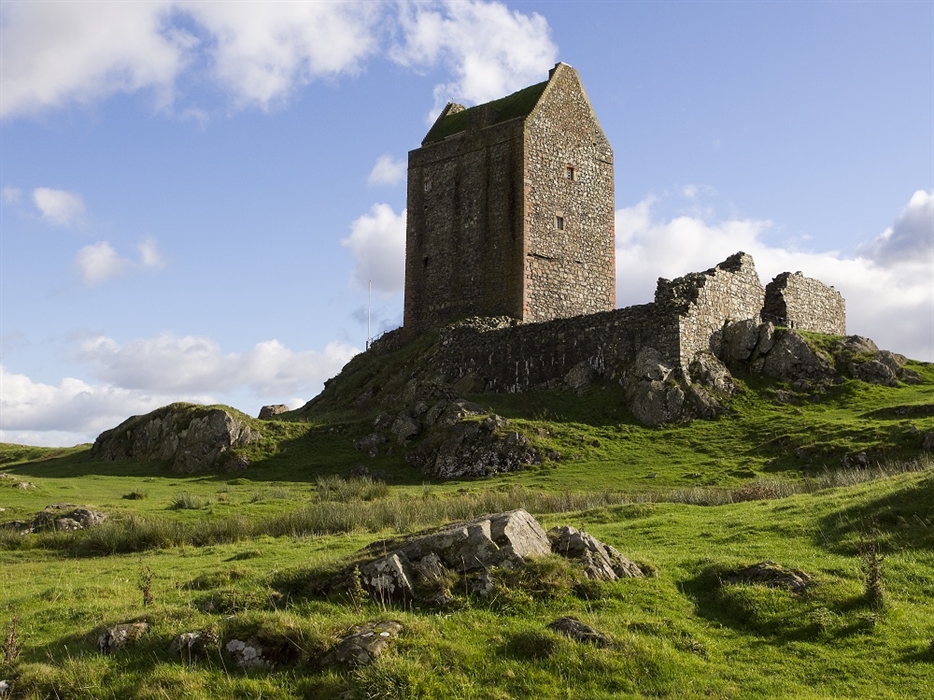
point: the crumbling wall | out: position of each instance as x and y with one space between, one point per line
551 354
795 301
705 301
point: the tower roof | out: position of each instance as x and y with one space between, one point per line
454 118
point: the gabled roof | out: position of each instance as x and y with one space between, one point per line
453 121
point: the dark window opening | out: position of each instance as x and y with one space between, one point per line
559 223
425 261
569 173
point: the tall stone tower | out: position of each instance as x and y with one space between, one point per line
510 210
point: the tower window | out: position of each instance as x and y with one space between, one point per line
559 223
427 184
569 173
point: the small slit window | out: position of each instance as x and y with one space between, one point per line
559 223
427 184
569 173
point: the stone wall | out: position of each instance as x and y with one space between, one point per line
796 301
570 264
463 238
517 358
686 317
705 301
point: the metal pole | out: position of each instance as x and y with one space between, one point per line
369 295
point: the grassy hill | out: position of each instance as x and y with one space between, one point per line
835 485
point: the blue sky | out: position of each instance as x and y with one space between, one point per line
195 195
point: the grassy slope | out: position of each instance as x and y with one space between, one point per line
677 634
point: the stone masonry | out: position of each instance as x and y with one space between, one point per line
686 318
511 210
796 301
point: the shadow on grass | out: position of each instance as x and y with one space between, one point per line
905 519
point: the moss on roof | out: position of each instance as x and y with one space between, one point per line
518 104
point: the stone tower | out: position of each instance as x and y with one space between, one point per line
510 210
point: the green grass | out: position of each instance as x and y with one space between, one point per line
240 553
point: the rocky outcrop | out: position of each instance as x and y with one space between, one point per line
194 438
421 568
786 355
451 439
271 411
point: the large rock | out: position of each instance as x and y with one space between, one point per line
424 567
194 438
457 447
652 393
791 359
600 561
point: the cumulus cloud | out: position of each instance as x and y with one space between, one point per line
490 49
69 412
264 50
54 54
377 241
99 262
910 237
139 376
890 300
169 364
59 207
387 171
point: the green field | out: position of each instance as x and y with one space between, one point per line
238 553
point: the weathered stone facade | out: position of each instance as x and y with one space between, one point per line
796 301
511 210
687 318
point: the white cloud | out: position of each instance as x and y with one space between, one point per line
99 262
59 207
11 195
149 255
54 54
377 241
142 375
168 364
71 411
264 50
387 171
889 299
910 237
491 50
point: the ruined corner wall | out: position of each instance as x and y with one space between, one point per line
795 301
704 301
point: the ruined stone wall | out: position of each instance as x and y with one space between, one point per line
463 239
517 358
570 266
795 301
705 301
